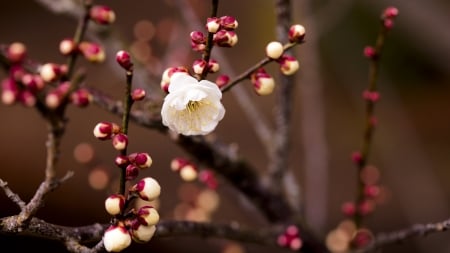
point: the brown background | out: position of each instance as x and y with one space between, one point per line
412 143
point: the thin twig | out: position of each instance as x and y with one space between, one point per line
14 197
283 109
416 230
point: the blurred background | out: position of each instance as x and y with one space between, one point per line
411 143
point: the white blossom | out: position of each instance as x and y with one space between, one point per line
192 107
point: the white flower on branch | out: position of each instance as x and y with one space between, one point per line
192 107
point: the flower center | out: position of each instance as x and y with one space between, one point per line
192 106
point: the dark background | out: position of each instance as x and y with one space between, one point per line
412 142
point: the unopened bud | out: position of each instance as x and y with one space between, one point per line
121 161
228 22
67 47
198 66
213 24
50 72
33 83
222 80
116 238
224 38
124 60
188 173
142 233
114 204
16 52
142 160
370 52
274 50
27 98
264 85
296 33
131 172
213 66
102 14
10 91
148 215
288 65
120 141
198 37
147 188
104 130
138 94
390 12
81 97
92 52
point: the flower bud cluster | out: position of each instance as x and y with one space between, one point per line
129 224
26 86
388 16
290 238
369 176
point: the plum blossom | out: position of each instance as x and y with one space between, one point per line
192 107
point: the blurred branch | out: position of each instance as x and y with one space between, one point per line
278 163
416 230
313 130
76 237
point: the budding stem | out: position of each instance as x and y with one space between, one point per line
209 42
128 102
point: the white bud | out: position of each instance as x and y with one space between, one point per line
116 239
143 233
148 189
114 204
274 50
188 173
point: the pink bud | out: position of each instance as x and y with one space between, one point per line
147 215
213 66
177 163
198 37
371 191
33 83
372 96
362 238
296 33
102 14
121 161
81 97
27 98
16 52
54 98
208 178
370 52
138 94
67 47
356 157
222 80
348 208
120 141
50 72
228 22
10 91
388 23
390 12
288 64
131 172
92 52
198 66
213 24
142 160
224 38
103 130
124 60
366 207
